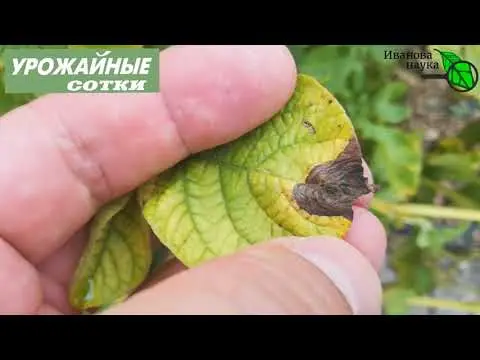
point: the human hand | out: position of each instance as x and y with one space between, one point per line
63 156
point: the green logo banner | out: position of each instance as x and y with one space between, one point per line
124 70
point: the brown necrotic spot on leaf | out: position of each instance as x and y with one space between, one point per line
331 188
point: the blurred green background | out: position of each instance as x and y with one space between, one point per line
422 142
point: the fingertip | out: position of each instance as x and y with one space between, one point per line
365 200
351 273
217 93
298 276
368 235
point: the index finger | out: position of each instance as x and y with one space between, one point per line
63 156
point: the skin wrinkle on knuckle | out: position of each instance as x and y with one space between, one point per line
79 159
207 108
170 116
192 110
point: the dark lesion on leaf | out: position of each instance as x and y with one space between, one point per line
331 188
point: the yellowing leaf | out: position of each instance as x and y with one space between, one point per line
117 258
297 174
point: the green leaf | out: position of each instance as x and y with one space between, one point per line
415 267
396 161
470 135
298 51
448 59
452 194
452 166
2 49
387 106
440 236
395 300
117 258
9 102
471 190
425 227
254 189
330 65
435 238
377 54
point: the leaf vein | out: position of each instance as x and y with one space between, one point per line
190 210
221 178
252 192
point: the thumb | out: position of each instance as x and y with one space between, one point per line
286 276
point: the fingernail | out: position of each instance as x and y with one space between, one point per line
348 270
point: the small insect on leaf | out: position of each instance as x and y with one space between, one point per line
277 180
309 126
117 257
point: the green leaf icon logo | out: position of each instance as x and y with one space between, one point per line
448 59
461 75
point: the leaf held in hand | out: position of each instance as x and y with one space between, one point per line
283 178
117 258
